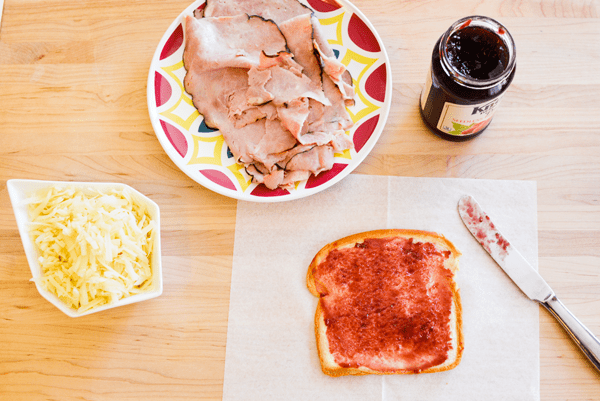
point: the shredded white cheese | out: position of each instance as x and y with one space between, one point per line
94 249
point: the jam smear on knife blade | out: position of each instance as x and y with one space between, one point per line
484 230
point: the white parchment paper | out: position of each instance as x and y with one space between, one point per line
271 351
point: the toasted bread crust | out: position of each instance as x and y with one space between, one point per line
328 364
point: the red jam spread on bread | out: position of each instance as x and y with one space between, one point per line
387 299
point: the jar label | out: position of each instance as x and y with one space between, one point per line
461 120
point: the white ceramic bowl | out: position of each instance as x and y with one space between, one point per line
19 190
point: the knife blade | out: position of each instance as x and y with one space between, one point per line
530 282
500 249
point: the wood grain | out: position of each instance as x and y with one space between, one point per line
73 80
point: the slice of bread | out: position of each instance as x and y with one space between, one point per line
388 304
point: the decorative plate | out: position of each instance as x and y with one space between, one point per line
201 152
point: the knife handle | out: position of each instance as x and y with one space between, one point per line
585 339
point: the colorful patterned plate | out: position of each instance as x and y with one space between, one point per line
201 152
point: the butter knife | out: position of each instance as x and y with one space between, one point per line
525 276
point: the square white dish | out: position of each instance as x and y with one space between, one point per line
19 190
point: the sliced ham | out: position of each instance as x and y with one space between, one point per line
281 59
326 122
298 32
237 41
280 80
341 141
292 177
285 86
293 115
336 115
276 10
274 179
314 160
242 114
276 92
300 164
257 94
210 91
275 140
332 67
254 141
257 142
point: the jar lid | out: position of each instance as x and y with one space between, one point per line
472 67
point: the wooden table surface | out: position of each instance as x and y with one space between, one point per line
73 107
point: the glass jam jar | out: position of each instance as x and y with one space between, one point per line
472 65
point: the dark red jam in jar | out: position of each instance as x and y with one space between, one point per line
472 65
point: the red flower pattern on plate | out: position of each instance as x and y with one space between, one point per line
361 35
175 137
218 178
173 43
